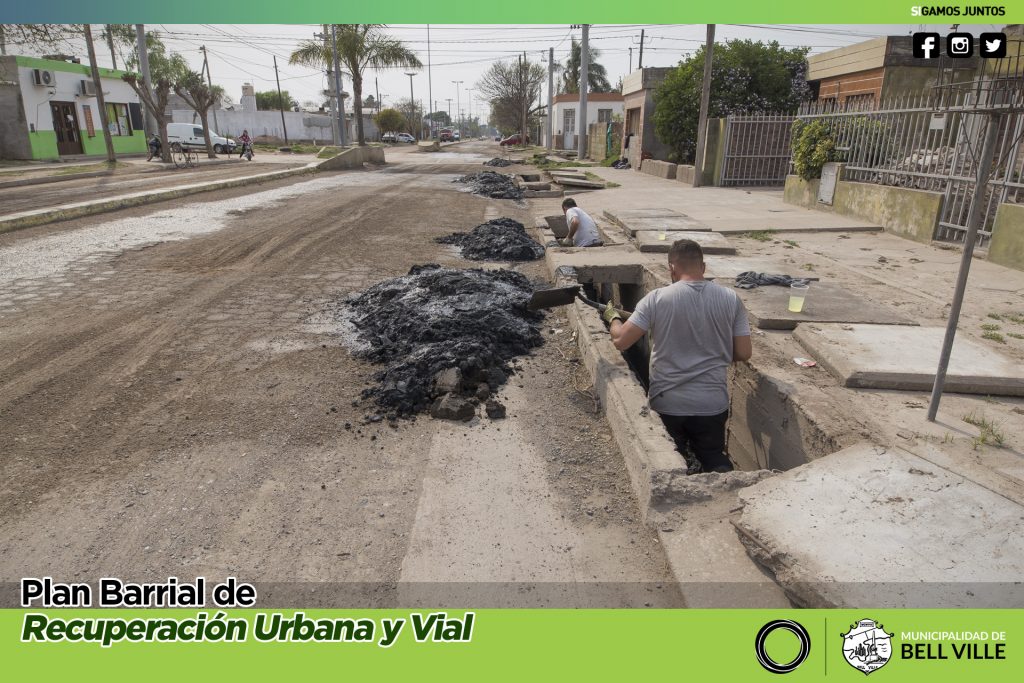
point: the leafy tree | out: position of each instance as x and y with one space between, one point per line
747 77
390 121
597 76
513 89
193 89
440 117
269 101
358 46
155 101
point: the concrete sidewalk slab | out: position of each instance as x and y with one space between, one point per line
667 223
623 215
867 526
710 242
572 181
905 358
826 303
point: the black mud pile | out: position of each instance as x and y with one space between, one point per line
499 239
491 184
445 335
498 162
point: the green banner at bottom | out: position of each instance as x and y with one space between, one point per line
494 644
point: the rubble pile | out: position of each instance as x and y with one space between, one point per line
499 239
498 162
446 337
491 184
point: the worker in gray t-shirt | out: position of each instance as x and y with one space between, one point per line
582 228
696 329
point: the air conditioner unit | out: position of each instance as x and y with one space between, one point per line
44 77
87 88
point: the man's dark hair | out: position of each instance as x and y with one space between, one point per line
686 254
569 203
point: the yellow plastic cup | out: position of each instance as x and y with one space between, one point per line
797 295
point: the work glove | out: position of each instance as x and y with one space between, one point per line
610 314
567 242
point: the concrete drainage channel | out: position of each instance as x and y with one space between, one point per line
694 514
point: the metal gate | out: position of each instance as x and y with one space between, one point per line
1006 185
756 150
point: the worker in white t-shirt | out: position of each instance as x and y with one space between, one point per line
582 228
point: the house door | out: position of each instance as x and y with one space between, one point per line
65 125
569 129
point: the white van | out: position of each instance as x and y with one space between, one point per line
191 135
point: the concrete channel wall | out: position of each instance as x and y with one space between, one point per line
354 157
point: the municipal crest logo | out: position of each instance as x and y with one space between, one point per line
866 646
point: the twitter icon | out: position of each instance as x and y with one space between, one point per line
993 45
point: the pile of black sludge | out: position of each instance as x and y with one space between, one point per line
499 239
493 185
446 337
498 162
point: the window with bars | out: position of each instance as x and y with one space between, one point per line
604 115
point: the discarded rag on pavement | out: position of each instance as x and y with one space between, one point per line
751 279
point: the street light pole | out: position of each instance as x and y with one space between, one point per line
449 100
412 102
458 104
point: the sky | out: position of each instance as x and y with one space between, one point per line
245 53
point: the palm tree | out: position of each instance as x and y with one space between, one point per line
597 76
358 46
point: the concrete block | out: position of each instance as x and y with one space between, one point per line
888 528
622 216
557 225
905 358
803 193
542 194
428 146
660 169
353 158
611 264
685 174
531 185
710 242
826 303
1007 245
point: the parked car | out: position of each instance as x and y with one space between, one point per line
404 137
457 135
514 140
497 138
446 136
388 137
190 135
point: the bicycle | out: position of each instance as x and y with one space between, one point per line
184 156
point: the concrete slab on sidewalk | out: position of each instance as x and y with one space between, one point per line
656 241
620 216
905 358
670 223
826 303
886 528
572 181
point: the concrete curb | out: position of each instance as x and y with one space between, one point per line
46 180
29 219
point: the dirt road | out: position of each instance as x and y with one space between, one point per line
183 406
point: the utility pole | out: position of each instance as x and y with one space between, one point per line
100 103
551 97
469 119
209 84
449 111
110 44
412 104
430 85
640 60
3 41
335 128
581 142
280 101
705 103
376 86
630 60
337 86
140 45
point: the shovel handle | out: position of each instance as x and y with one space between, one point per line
599 306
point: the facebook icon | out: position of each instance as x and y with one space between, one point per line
926 45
